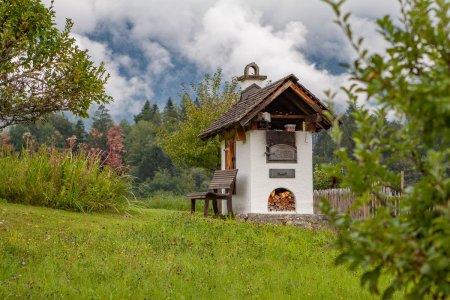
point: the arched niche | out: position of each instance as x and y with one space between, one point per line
281 199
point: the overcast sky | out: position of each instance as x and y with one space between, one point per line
150 47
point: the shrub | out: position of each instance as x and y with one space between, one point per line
321 179
62 180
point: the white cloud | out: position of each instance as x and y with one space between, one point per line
232 35
323 36
279 36
158 56
124 90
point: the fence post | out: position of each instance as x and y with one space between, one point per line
402 181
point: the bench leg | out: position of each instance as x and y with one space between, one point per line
216 209
206 210
192 206
229 206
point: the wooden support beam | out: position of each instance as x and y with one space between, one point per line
311 103
288 116
320 125
240 134
308 100
303 107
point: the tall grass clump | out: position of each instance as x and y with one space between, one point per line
62 180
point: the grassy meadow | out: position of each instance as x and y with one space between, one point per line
170 202
156 253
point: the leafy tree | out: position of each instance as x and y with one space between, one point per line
46 133
214 99
170 110
102 122
143 155
16 134
321 179
42 70
126 127
201 178
96 141
51 131
60 123
410 81
115 147
164 181
324 147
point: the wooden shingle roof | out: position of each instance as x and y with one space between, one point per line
247 107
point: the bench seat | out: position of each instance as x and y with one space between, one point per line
203 195
223 180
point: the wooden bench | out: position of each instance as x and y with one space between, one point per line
222 180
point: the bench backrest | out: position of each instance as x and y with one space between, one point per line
223 179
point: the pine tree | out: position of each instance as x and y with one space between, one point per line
170 110
102 123
80 132
325 146
170 116
146 113
156 116
149 113
143 154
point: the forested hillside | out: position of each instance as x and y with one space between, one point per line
324 147
140 148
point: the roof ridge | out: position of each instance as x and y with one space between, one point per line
245 105
271 85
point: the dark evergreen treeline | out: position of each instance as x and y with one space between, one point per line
144 157
324 148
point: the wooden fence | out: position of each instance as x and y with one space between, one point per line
342 199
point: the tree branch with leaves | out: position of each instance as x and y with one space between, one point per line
202 103
42 70
410 82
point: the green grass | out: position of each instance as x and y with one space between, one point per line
62 180
170 202
160 254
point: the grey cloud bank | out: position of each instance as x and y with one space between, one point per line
205 35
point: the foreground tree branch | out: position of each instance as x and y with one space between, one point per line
411 82
42 70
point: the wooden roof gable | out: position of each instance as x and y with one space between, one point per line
249 106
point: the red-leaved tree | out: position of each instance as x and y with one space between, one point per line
115 147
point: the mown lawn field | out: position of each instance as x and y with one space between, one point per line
162 254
